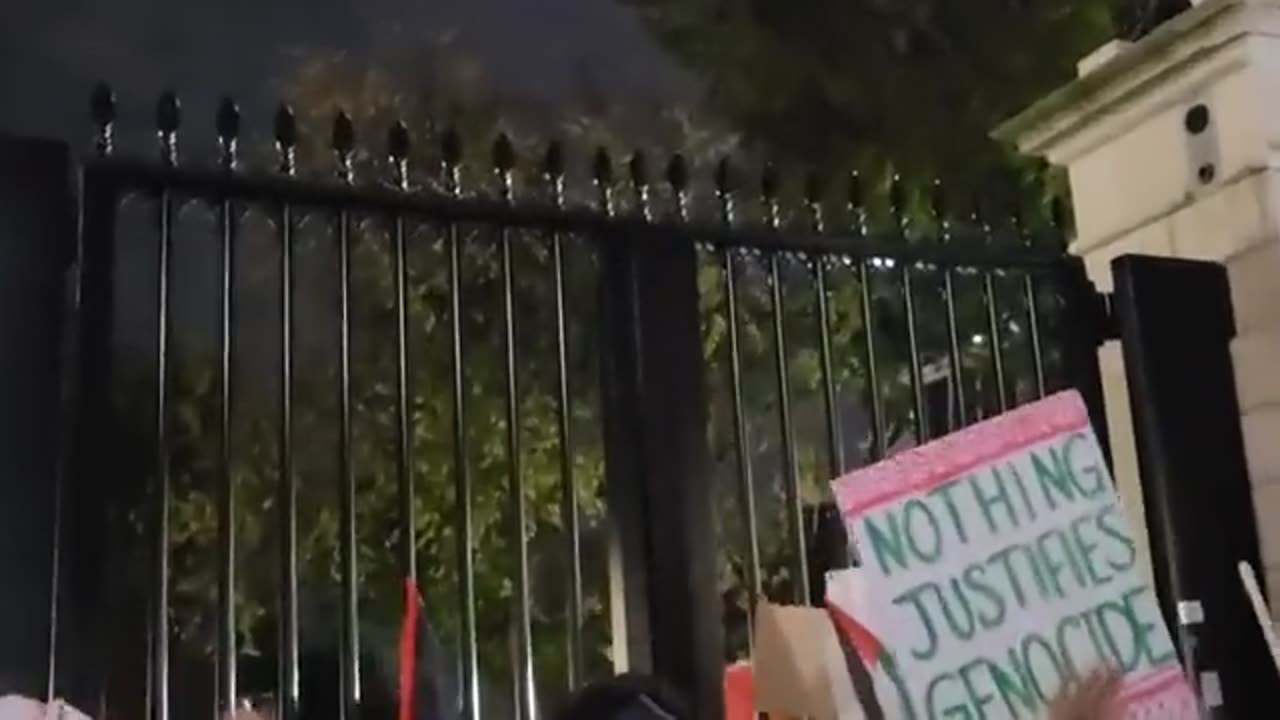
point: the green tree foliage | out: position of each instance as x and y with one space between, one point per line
915 83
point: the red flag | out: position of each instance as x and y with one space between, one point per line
739 693
863 641
408 649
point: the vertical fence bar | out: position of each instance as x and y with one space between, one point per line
522 667
959 417
790 475
835 441
569 513
451 147
228 122
1030 295
167 121
897 202
741 431
288 690
349 659
858 216
398 151
991 299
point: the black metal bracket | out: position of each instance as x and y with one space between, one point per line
1107 328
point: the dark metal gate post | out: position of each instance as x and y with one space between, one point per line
657 457
37 240
1085 327
1175 322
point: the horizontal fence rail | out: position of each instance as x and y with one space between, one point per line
309 392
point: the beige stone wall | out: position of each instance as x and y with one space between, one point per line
1120 132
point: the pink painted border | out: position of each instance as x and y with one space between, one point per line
920 469
1165 691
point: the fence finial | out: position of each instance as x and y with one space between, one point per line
724 189
678 179
602 172
857 207
898 202
640 183
286 132
814 189
724 176
553 162
769 182
553 171
938 207
344 142
602 167
168 118
504 154
451 160
639 168
398 146
451 147
228 126
504 160
102 108
678 173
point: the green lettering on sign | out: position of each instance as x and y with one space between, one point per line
1054 478
887 545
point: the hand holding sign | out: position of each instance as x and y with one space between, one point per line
1097 697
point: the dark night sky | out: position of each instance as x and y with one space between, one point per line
51 51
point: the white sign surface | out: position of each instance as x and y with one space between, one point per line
997 565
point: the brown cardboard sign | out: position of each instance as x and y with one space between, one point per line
790 667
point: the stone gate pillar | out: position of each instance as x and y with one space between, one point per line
1172 147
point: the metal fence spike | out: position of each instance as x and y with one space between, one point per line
602 167
504 154
451 147
639 168
102 108
769 181
724 176
553 163
678 173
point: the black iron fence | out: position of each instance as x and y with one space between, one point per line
588 423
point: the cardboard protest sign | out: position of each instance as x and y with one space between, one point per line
997 565
798 667
16 707
789 670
